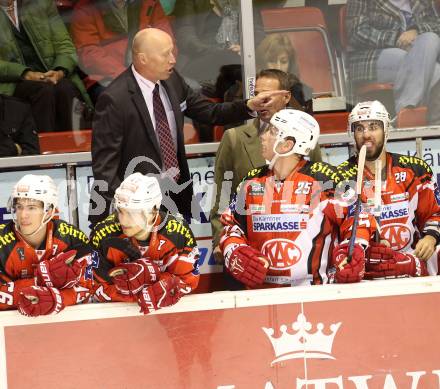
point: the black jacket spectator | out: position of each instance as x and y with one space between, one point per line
17 128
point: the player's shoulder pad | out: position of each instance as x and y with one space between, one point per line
257 172
64 230
418 165
108 227
254 173
7 235
348 169
321 171
177 230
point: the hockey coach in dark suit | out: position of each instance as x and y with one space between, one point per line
138 125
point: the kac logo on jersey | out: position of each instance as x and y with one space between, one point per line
283 253
397 234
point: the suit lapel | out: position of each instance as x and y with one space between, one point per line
252 144
141 106
175 105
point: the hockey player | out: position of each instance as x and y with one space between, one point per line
42 259
410 211
143 254
279 229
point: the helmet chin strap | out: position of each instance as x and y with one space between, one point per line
278 155
149 227
42 224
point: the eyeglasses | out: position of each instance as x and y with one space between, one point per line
360 128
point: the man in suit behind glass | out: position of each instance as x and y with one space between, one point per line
138 125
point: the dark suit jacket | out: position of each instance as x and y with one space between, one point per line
123 130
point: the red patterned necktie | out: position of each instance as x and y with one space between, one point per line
169 155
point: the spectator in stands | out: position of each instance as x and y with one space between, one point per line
207 33
18 131
139 121
240 151
168 6
37 62
208 38
101 31
397 41
276 52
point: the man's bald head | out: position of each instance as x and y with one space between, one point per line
153 56
149 39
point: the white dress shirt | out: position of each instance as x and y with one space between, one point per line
147 88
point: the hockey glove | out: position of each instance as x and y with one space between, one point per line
385 262
130 278
247 265
348 272
37 300
161 294
61 271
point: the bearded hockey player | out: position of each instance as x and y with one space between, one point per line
142 253
42 259
279 228
409 199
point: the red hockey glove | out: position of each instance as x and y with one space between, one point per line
348 272
37 300
124 246
161 294
130 278
248 265
61 271
385 262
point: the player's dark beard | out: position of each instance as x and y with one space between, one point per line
373 157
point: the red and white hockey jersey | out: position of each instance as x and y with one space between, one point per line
410 202
292 222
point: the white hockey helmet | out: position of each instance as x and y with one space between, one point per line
138 192
369 110
35 187
299 125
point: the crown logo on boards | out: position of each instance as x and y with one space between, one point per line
302 343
